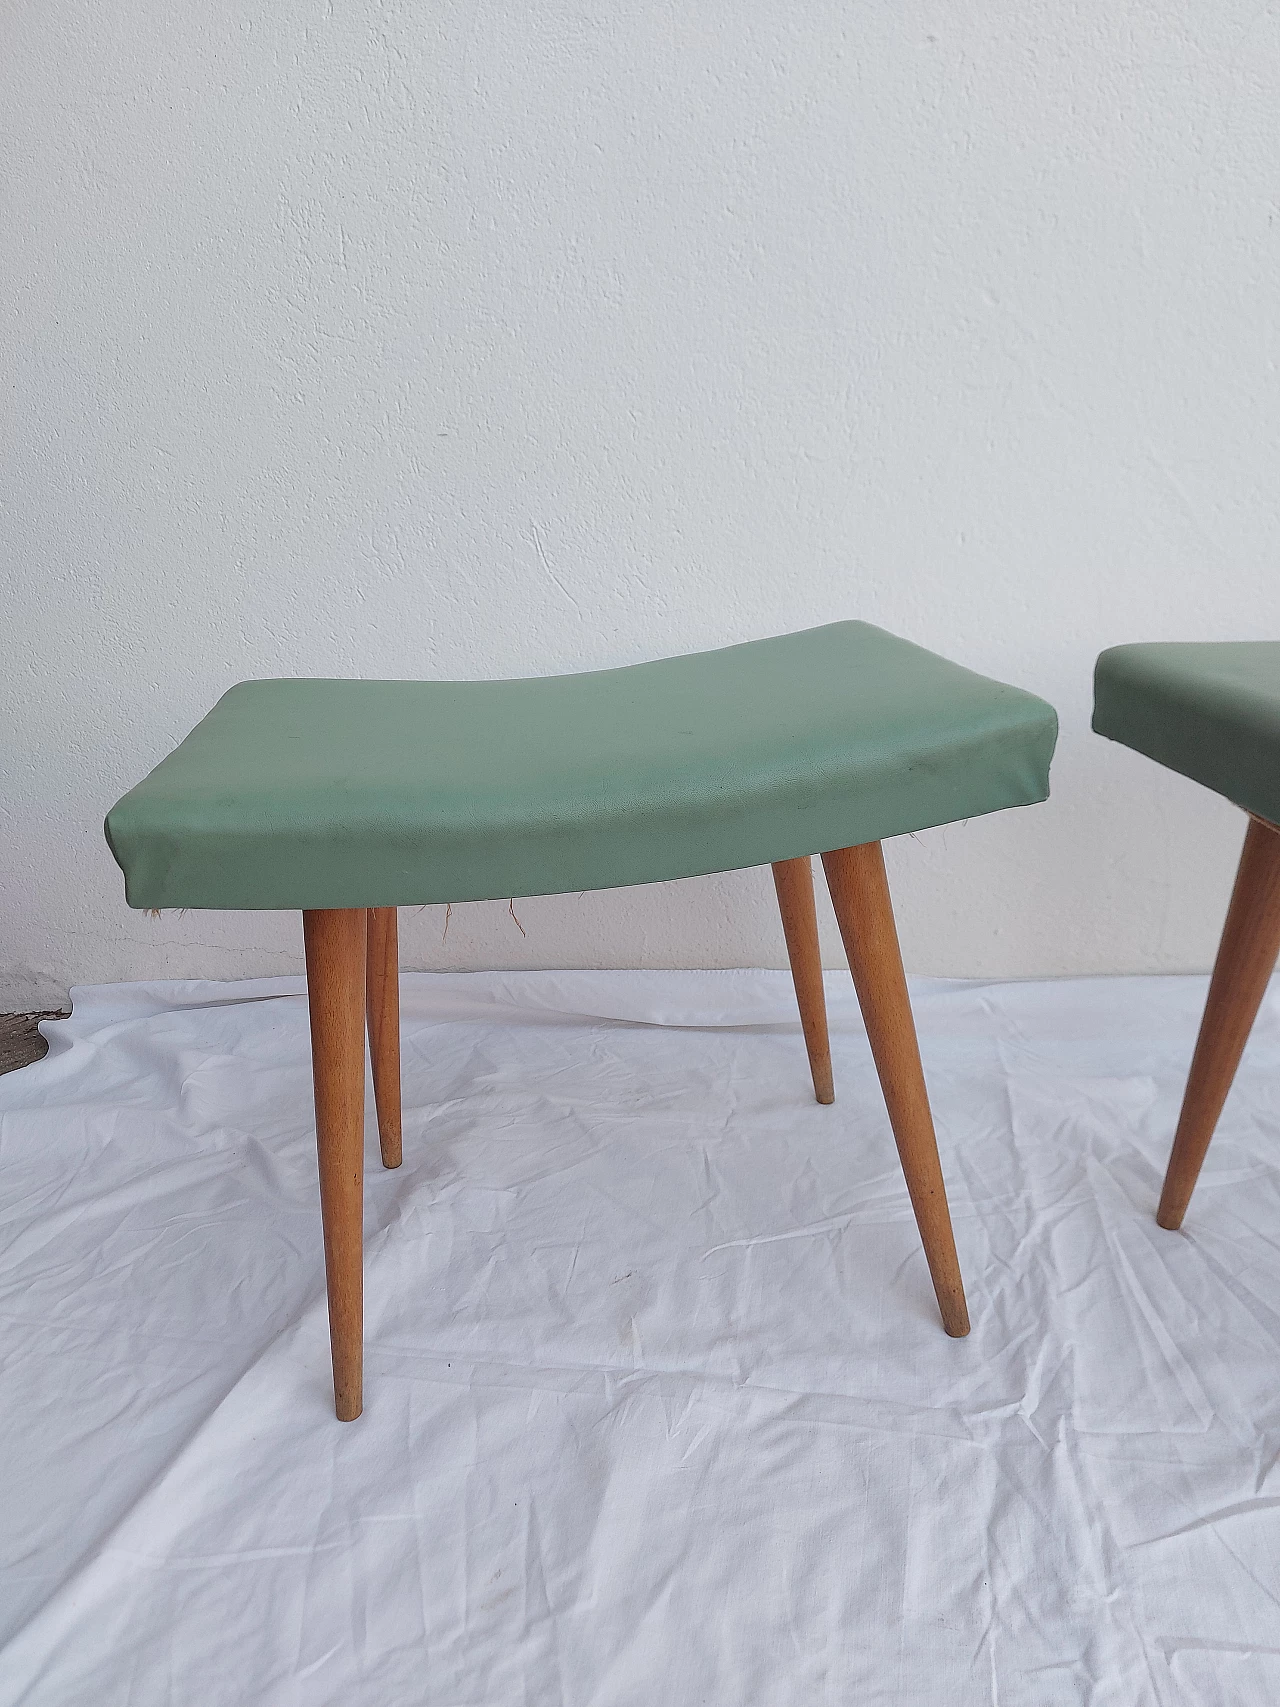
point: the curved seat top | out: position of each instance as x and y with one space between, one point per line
306 793
1209 709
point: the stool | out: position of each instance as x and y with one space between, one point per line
1211 710
348 799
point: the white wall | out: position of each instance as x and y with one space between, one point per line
463 339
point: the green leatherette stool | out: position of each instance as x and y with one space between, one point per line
348 799
1211 710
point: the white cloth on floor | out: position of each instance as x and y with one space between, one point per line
657 1403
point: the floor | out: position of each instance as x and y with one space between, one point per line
657 1403
20 1039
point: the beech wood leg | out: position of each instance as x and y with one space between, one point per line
1246 959
335 944
860 893
793 879
382 1010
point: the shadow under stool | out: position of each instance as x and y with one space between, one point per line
348 799
1211 710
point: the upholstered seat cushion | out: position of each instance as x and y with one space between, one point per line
1207 708
302 793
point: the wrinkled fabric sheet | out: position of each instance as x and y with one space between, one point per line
657 1404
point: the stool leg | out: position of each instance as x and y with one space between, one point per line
860 892
382 1010
1245 962
335 944
793 879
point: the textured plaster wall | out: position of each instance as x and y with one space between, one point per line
462 339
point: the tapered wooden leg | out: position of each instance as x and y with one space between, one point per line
382 1008
1246 959
335 944
860 892
793 879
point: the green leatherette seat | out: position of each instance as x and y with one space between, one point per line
330 794
1209 709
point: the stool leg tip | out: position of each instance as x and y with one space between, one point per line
955 1319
